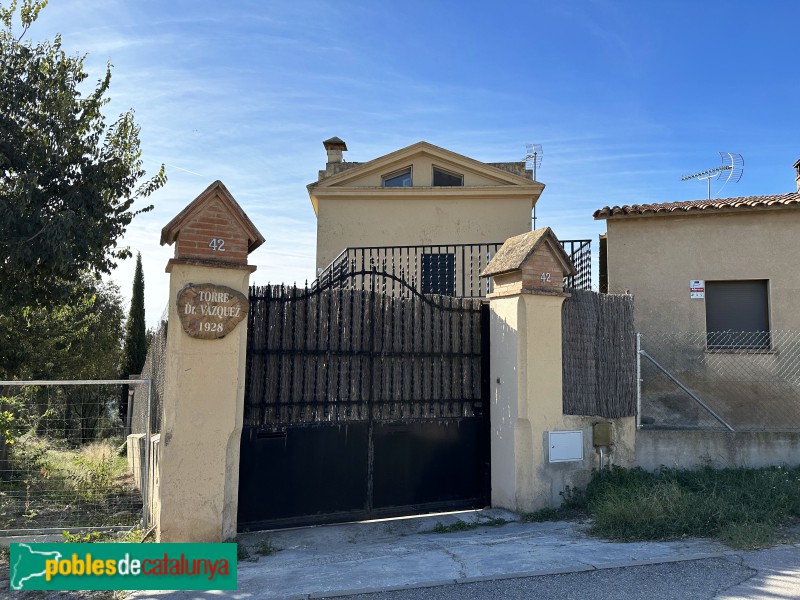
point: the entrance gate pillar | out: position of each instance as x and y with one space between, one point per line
526 368
197 471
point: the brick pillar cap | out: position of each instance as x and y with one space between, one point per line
217 190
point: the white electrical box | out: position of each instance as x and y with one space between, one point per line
565 446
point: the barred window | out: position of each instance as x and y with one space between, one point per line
439 274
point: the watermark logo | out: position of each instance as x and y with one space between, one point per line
123 566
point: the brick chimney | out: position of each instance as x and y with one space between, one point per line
797 177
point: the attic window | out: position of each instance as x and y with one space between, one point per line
398 178
446 178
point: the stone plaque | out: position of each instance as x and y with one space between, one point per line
209 311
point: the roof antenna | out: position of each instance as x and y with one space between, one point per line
732 165
533 160
533 157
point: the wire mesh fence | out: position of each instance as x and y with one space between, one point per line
154 371
62 457
740 381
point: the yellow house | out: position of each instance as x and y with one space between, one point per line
716 289
428 215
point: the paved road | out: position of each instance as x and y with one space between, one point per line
767 575
516 560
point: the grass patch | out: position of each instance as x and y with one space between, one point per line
134 536
51 484
466 526
743 508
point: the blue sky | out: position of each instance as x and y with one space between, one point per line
625 97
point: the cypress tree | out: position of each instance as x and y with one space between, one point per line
135 333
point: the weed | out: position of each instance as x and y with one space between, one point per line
133 536
573 506
95 469
467 526
453 527
85 537
495 522
266 548
137 535
242 553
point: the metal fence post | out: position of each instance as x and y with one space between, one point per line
146 478
638 381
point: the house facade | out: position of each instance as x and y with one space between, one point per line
716 289
418 195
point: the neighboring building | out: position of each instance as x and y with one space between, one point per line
745 250
716 288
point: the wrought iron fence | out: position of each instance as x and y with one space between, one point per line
580 253
62 459
447 269
736 381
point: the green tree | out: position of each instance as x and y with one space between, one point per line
78 340
135 334
68 180
135 330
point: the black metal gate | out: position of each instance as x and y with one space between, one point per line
362 404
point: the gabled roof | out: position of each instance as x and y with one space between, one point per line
216 190
700 206
516 250
507 182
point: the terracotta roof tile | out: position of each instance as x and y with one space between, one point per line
694 206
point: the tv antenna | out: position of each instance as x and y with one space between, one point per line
533 157
730 170
533 160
